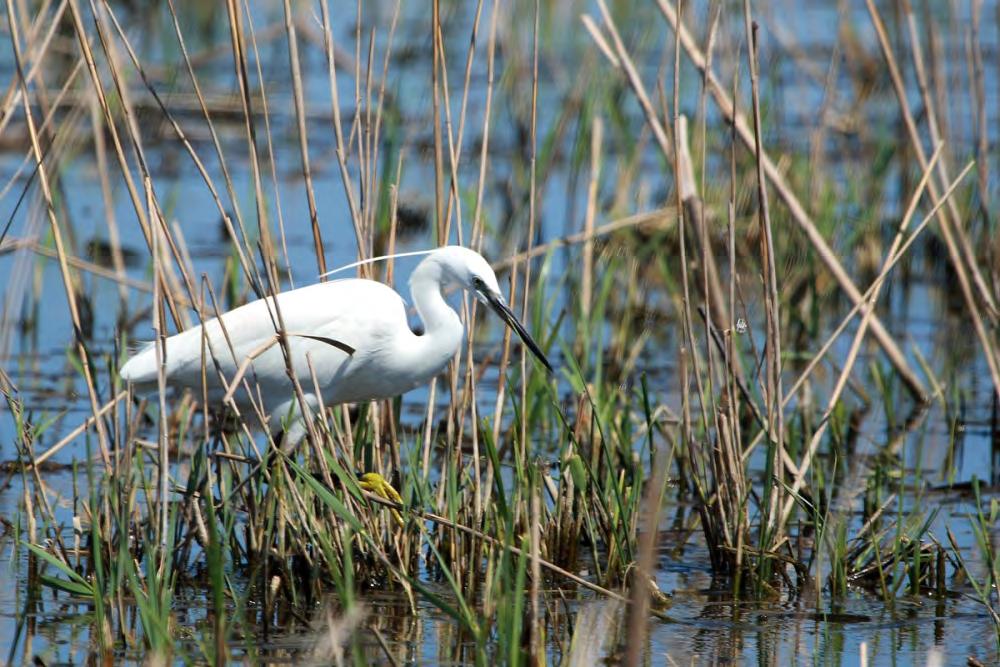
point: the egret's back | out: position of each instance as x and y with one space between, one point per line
365 315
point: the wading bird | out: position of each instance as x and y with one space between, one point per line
351 335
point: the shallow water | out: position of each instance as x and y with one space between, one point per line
954 442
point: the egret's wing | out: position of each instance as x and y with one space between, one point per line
317 316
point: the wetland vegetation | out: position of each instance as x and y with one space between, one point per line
758 241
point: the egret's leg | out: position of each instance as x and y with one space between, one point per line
288 424
288 429
294 433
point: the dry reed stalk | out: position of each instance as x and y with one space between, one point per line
684 176
634 80
64 270
248 267
160 349
687 351
242 253
536 628
37 49
112 129
732 417
643 577
979 104
459 403
532 214
695 209
239 54
452 372
455 144
428 428
23 444
449 135
773 394
84 265
732 402
939 76
818 356
44 127
500 402
962 257
393 230
599 41
658 218
855 348
300 118
468 406
483 491
107 198
818 137
675 158
366 149
47 137
342 147
393 222
72 435
727 107
272 162
171 281
436 68
477 215
976 101
587 275
920 69
380 108
958 243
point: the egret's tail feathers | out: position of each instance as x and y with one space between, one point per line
139 346
141 366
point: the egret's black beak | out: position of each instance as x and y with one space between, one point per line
505 313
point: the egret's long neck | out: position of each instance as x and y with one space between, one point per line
425 289
442 328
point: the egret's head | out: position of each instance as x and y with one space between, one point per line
467 269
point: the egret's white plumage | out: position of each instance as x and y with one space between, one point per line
365 316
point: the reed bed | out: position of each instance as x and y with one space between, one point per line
516 498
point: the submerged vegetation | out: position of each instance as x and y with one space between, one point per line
773 321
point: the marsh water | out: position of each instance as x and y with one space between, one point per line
936 450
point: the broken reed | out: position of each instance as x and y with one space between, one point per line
498 505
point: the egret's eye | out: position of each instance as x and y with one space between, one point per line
478 283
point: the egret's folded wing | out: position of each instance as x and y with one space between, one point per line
324 320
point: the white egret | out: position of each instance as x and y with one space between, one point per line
353 333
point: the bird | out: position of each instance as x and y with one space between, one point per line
352 335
